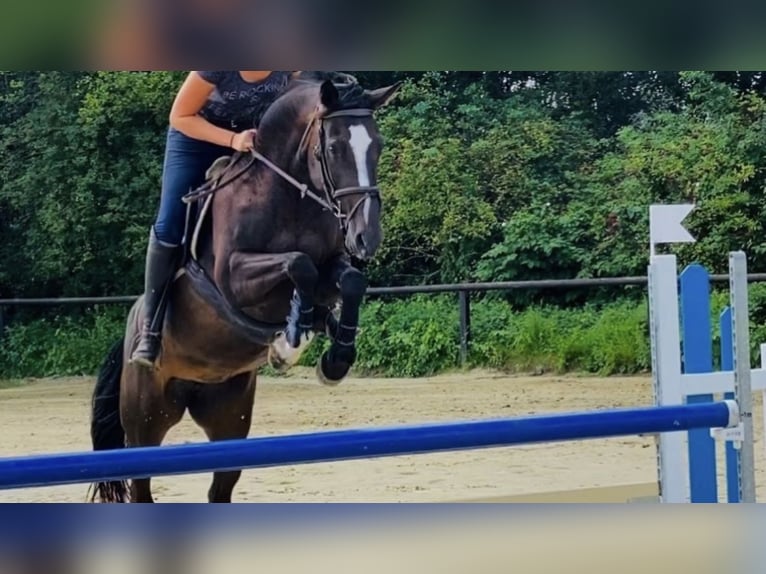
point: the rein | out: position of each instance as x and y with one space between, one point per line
329 202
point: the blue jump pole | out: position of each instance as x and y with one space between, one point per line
87 467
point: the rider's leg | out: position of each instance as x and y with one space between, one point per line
160 266
186 161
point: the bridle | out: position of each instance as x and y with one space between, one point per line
332 195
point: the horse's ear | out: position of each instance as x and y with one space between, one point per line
329 95
382 96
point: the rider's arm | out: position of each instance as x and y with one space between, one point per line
184 115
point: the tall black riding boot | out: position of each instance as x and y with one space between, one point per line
160 268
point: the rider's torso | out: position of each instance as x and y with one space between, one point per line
239 104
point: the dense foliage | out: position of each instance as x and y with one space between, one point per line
486 176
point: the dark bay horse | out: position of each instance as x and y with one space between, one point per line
267 265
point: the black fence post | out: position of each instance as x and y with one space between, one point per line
464 299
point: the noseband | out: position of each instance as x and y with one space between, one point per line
332 195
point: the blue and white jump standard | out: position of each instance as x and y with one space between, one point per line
682 370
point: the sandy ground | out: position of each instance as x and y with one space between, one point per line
52 416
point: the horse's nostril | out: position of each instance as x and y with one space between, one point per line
362 250
363 245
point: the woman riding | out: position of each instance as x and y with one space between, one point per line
213 113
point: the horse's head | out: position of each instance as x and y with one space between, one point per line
343 160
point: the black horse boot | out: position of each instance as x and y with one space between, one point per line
160 268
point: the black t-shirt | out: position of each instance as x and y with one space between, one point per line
238 104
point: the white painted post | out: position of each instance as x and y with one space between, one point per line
742 387
672 464
763 393
666 226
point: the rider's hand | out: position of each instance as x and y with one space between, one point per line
243 141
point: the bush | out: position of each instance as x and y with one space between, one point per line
412 337
61 346
420 336
607 340
409 338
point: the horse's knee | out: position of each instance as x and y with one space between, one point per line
302 271
353 285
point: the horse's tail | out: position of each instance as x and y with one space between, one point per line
106 430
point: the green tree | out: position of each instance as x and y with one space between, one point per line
710 153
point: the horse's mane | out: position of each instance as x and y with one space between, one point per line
352 94
301 95
293 110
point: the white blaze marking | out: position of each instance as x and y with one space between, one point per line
367 204
360 142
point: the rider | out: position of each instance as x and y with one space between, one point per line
213 112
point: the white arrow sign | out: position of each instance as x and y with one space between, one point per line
666 224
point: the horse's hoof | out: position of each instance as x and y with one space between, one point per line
293 337
277 362
331 374
297 334
282 355
297 338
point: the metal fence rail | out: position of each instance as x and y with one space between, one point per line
462 289
407 289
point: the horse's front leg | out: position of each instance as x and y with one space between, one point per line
336 362
253 277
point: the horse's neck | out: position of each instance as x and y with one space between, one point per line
290 154
289 151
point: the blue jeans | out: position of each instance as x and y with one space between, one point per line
186 161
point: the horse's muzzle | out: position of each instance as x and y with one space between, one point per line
363 245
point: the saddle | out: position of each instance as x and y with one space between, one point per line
197 210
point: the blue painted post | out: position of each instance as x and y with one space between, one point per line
697 357
727 364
